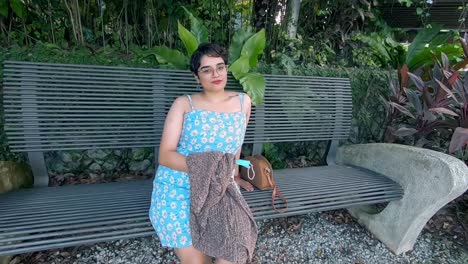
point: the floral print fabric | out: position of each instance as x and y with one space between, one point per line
202 131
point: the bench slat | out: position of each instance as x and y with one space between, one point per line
40 100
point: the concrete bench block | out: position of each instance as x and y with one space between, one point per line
429 179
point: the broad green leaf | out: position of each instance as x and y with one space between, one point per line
254 47
451 50
419 43
174 57
197 28
383 52
440 39
254 86
189 40
238 41
4 8
240 67
18 8
421 59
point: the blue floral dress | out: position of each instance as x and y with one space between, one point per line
202 131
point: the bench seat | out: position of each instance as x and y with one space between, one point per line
55 217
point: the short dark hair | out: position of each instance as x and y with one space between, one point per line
210 50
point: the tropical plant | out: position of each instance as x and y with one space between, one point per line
381 45
428 44
433 101
244 51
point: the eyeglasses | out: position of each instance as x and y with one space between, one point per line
208 71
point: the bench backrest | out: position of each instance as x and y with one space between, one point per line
63 106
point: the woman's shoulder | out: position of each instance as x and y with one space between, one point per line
182 102
246 96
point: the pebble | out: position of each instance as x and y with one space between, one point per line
317 241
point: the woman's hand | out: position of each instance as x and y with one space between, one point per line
243 184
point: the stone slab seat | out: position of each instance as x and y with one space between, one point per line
54 217
429 180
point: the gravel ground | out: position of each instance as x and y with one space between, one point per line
329 237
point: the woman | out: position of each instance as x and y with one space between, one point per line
212 120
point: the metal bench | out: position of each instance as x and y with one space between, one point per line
50 107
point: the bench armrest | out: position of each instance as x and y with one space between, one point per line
429 180
417 169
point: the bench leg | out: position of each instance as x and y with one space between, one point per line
429 179
398 225
39 169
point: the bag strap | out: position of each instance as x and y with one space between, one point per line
271 181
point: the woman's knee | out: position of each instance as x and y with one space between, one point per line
190 255
222 261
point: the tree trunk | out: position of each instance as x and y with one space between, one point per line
295 6
79 24
49 13
126 25
101 15
75 19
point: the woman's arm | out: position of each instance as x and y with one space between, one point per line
245 185
248 108
171 134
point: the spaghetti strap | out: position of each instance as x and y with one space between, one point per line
241 98
190 101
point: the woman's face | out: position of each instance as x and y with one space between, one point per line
212 73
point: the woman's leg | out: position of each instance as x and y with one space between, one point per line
190 255
222 261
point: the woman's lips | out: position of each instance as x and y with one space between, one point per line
217 82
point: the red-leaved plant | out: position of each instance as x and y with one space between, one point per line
431 101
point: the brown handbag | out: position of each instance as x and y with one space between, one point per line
260 175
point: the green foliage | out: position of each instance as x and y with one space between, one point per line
250 49
418 46
240 67
238 40
197 28
422 8
4 8
254 86
254 47
17 6
174 58
253 83
381 50
189 40
434 102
